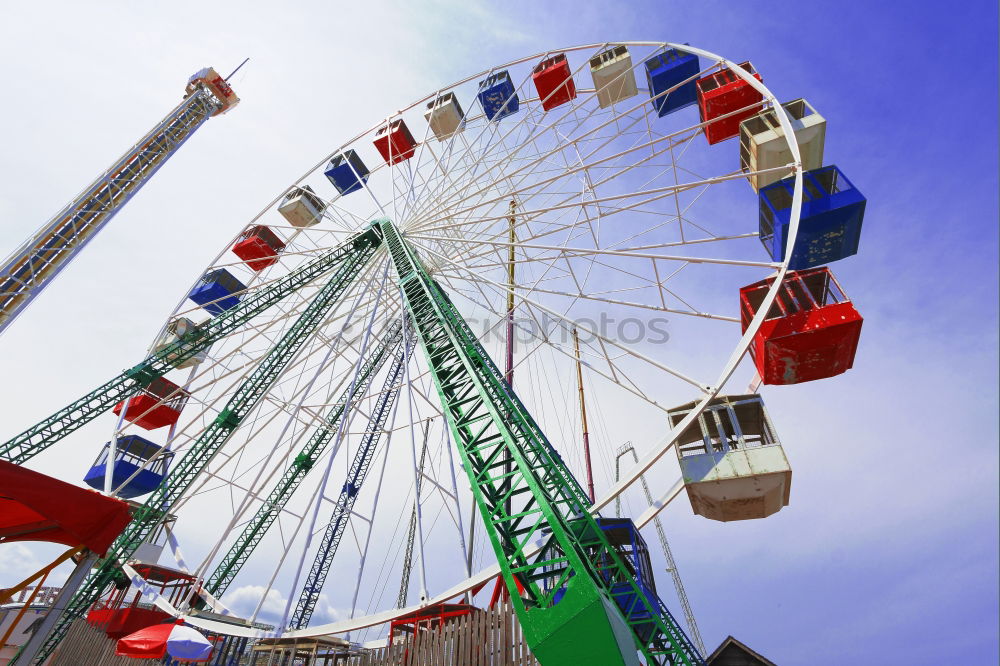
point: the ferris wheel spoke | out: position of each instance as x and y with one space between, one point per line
488 137
256 413
613 375
508 172
437 173
511 153
568 324
570 252
652 194
691 312
235 374
680 135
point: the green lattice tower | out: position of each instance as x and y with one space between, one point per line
547 541
201 452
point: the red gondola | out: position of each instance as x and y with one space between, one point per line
811 331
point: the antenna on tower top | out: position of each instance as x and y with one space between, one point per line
245 61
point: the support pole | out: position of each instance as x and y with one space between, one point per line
583 416
416 470
509 357
69 588
411 530
511 239
458 504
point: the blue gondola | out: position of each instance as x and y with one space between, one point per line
347 172
218 291
131 453
666 70
830 226
496 94
626 539
624 536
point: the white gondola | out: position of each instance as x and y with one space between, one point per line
445 116
613 76
175 330
733 465
301 207
763 146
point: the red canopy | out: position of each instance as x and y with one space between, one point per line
35 507
182 643
148 643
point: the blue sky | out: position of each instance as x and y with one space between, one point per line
888 553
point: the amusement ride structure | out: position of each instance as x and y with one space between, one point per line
36 263
311 388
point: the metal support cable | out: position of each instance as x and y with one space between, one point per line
675 575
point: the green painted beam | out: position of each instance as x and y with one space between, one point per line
566 608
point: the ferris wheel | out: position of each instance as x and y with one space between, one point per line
327 386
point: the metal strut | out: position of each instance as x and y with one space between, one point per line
667 553
35 264
411 530
303 462
355 479
78 413
549 542
218 432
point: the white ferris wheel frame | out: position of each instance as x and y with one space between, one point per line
646 462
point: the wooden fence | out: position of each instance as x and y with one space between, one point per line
86 645
491 637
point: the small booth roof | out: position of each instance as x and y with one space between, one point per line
157 573
36 507
435 611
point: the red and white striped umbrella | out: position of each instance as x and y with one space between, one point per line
160 640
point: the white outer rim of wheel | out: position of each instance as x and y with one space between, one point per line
658 451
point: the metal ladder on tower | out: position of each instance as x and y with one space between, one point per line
32 266
547 541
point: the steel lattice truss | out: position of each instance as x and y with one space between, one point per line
213 438
32 266
303 462
374 432
488 421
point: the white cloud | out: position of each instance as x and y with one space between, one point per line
243 600
17 560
